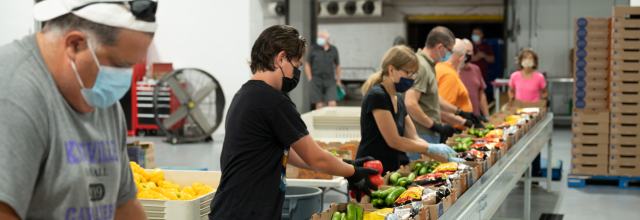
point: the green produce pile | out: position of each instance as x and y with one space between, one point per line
426 167
385 198
481 133
354 212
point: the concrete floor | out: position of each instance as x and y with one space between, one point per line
573 203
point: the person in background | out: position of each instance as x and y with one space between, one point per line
63 131
386 128
424 105
472 78
482 52
528 85
264 133
323 71
451 88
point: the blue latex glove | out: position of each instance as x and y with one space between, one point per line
459 160
441 149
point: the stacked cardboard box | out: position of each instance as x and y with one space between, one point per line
624 92
590 119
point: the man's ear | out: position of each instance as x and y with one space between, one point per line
75 42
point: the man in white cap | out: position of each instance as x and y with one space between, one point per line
63 132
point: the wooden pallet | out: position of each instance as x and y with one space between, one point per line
578 180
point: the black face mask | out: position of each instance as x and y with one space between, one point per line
289 84
467 58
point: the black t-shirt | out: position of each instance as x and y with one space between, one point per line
372 143
261 125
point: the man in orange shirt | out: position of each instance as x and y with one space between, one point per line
450 86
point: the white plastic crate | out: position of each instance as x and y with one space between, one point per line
334 124
195 209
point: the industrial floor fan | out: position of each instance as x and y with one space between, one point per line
197 105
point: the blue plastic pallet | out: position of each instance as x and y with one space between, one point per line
577 180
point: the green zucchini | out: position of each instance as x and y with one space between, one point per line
416 167
393 179
358 213
393 196
385 193
411 177
336 216
351 212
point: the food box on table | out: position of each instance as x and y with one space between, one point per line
341 207
299 173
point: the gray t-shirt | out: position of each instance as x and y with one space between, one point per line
323 62
56 163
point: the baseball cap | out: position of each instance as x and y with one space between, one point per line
106 12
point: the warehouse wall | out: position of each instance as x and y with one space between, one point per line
552 37
16 20
213 36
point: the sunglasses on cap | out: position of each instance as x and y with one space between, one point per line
142 9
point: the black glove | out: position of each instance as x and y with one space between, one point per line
470 123
360 182
358 162
445 130
476 119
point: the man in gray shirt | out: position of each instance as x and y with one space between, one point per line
322 60
63 132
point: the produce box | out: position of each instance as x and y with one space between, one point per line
437 210
589 169
195 209
624 139
590 148
625 118
627 149
590 138
299 173
143 153
624 170
341 207
582 158
624 160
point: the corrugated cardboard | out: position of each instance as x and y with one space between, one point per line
625 11
624 170
581 116
589 127
590 53
589 169
625 149
626 65
624 159
624 139
579 158
590 105
143 153
621 75
624 107
592 42
590 84
619 68
341 207
586 22
621 54
624 85
591 63
435 211
599 73
625 128
624 43
617 33
625 117
585 148
590 138
625 96
625 23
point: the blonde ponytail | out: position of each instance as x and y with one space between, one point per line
371 81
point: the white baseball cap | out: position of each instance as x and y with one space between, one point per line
107 12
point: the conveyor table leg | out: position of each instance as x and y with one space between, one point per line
527 193
549 163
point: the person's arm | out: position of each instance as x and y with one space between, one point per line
453 118
484 109
544 92
490 58
295 160
307 70
338 81
412 97
489 53
7 213
130 210
478 56
319 159
512 92
411 133
387 126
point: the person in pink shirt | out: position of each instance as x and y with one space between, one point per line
527 84
471 76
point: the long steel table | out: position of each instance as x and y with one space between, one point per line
485 196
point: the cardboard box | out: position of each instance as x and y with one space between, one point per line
625 64
591 63
624 43
625 128
624 85
624 159
625 117
624 107
589 169
435 211
617 33
590 53
590 84
581 116
158 70
624 96
143 153
624 149
580 158
624 170
341 207
621 75
586 22
624 139
590 138
621 54
625 23
590 105
600 42
589 127
625 11
588 148
299 173
594 73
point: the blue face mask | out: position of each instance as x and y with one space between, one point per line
111 84
404 84
321 41
475 38
446 56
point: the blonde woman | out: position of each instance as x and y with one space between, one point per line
387 130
